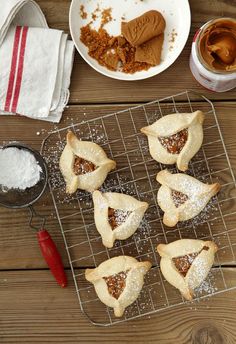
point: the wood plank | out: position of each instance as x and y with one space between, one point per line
34 310
88 86
18 246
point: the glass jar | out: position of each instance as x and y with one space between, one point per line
218 80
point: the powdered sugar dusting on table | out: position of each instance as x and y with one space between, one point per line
114 182
156 293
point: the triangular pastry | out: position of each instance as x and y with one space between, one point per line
84 164
186 263
175 138
118 281
182 197
116 215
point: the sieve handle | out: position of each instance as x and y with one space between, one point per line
52 257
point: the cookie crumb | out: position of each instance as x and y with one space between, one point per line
173 35
115 53
83 14
106 16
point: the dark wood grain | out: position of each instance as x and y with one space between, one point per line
18 245
33 309
88 86
207 333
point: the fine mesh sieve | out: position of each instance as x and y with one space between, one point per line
15 199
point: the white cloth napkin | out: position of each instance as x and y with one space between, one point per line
20 12
36 63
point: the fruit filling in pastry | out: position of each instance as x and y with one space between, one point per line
179 198
116 217
174 143
82 166
175 138
182 197
184 263
116 283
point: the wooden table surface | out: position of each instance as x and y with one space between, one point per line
33 309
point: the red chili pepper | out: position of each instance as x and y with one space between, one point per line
52 257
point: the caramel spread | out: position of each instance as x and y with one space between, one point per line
184 263
82 166
143 28
174 143
217 45
178 198
116 217
116 283
150 51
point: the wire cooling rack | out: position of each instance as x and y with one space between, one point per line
119 135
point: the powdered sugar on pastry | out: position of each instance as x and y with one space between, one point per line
193 194
116 215
175 138
84 164
174 257
118 281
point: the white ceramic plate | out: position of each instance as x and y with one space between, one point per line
176 13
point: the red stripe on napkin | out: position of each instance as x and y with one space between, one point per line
13 68
20 69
